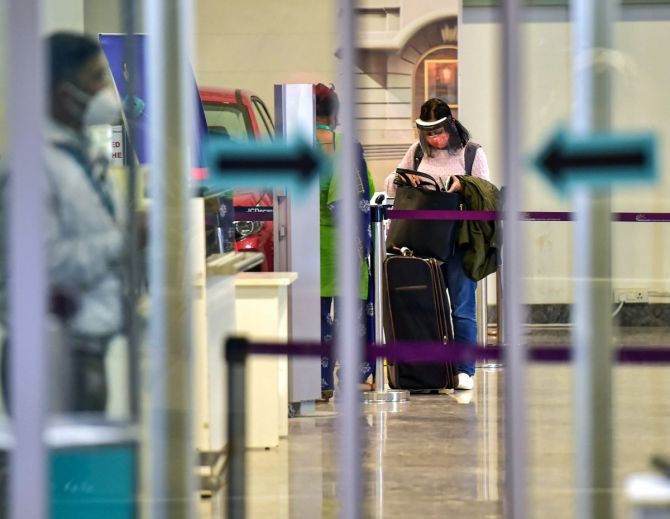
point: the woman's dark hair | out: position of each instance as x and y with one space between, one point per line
68 52
327 102
435 109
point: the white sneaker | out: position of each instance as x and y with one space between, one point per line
465 381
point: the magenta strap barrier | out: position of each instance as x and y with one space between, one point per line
641 217
531 216
265 214
455 352
433 214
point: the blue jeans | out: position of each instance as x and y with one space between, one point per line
463 305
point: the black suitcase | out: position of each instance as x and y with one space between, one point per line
417 309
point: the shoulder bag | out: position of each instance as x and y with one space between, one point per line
424 238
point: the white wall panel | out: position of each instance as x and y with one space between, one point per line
63 15
254 45
640 89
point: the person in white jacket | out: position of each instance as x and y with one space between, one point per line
84 231
84 234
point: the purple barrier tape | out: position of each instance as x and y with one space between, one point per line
530 216
432 214
559 216
643 355
397 352
549 354
265 214
641 217
253 214
546 216
298 349
436 352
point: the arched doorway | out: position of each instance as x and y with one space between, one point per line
393 82
436 75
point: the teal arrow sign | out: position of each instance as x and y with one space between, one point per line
599 159
234 165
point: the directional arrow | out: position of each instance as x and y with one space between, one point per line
598 159
234 165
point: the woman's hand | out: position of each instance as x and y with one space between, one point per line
455 186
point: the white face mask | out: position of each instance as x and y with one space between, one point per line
102 108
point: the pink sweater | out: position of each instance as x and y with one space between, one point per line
441 165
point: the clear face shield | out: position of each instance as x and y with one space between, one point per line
434 133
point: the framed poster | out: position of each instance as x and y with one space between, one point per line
441 80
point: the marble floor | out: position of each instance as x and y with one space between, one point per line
443 455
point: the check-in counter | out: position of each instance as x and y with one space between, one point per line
251 304
261 309
228 301
214 320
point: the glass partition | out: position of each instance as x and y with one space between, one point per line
153 251
4 380
76 395
557 393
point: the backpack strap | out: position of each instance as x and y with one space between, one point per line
418 156
470 152
104 195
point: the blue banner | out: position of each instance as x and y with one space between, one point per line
138 107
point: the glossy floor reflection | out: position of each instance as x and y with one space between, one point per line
442 455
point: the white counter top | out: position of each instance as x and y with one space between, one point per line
250 279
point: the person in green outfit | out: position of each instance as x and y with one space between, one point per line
327 107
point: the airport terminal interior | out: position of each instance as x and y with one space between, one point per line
444 454
334 258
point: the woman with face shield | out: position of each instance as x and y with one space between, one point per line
441 153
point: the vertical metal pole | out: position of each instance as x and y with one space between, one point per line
500 307
592 36
515 350
379 250
172 482
379 469
500 337
483 319
380 394
348 342
25 253
132 267
236 356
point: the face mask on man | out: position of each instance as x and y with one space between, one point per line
101 108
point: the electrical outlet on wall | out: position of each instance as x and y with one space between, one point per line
631 295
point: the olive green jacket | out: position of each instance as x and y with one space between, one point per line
478 237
